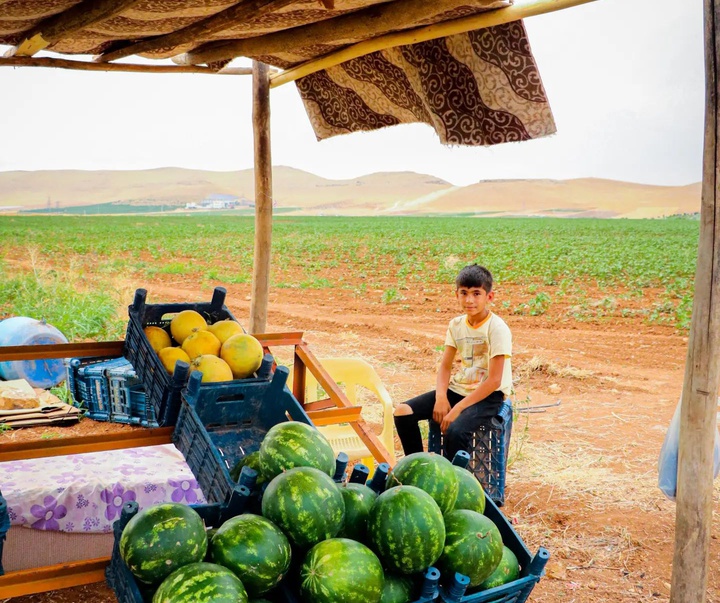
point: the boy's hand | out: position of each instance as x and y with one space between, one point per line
449 418
441 409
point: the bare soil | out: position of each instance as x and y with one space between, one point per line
597 399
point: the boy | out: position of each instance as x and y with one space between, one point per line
464 400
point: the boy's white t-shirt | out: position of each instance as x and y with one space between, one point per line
476 346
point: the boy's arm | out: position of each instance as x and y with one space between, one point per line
487 387
442 406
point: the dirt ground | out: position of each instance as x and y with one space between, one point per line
596 398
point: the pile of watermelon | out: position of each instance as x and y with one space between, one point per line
325 541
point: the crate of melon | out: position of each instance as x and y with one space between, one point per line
154 345
220 423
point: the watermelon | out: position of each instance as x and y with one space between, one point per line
294 444
255 549
406 529
160 539
470 493
507 570
340 569
358 500
397 589
201 583
430 472
252 460
306 504
473 546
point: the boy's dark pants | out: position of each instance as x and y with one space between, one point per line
459 434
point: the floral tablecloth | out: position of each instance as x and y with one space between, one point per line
86 492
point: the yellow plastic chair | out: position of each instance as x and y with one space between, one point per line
350 373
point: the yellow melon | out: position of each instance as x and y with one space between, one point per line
199 343
158 338
169 356
213 369
184 323
243 353
225 329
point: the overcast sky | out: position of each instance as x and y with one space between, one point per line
625 80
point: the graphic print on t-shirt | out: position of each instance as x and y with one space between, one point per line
473 356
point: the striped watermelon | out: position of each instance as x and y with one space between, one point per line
201 583
473 546
397 589
160 539
507 570
255 549
341 569
358 500
406 529
306 504
293 444
430 472
470 493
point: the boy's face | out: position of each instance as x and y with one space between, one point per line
474 301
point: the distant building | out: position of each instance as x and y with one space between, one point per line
221 201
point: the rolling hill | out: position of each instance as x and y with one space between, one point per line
386 193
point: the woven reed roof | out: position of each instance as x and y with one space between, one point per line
475 87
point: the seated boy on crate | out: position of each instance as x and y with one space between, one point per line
474 394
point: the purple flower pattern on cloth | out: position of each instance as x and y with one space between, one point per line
115 499
184 490
86 492
48 514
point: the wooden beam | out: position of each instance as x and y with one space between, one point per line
74 19
263 198
242 11
52 577
61 350
333 416
693 518
19 61
423 34
367 23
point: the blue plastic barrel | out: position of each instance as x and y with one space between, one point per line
21 330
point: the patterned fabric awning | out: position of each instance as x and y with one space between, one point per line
476 88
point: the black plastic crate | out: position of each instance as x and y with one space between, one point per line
219 423
162 390
488 455
121 580
128 401
88 385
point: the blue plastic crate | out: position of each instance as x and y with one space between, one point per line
88 385
162 390
128 402
488 454
120 579
4 527
219 423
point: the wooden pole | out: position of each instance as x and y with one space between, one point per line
423 34
21 61
263 198
693 519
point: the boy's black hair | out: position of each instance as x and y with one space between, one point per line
474 276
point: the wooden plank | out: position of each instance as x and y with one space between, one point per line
423 34
333 416
14 451
63 24
319 405
299 377
61 350
53 577
367 23
263 198
242 11
270 339
693 518
25 61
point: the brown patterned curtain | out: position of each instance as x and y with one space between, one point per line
479 88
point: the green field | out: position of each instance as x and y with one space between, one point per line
549 259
